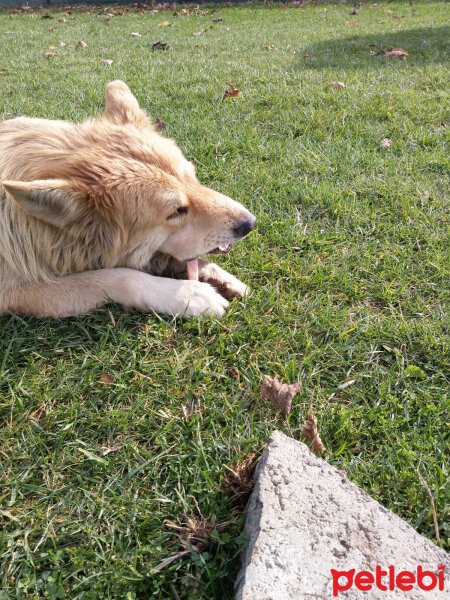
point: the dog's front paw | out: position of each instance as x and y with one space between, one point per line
226 284
196 299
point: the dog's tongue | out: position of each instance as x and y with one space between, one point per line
192 269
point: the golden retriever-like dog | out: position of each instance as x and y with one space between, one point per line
109 209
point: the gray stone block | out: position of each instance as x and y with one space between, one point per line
305 518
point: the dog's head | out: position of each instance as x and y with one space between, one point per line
115 180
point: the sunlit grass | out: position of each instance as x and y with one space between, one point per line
349 275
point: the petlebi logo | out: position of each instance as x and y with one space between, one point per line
388 579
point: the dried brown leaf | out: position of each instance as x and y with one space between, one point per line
81 45
50 54
107 62
106 378
337 85
136 34
385 143
115 448
201 32
280 394
165 24
160 125
393 52
271 47
311 435
230 93
234 374
160 46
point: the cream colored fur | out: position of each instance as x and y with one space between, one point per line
100 210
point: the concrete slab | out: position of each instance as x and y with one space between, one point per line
305 518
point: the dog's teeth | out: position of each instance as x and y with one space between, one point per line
192 269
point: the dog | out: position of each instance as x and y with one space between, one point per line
109 209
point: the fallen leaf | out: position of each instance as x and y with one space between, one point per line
63 20
230 93
280 394
160 125
200 32
107 449
393 52
136 34
81 44
106 61
52 47
106 378
160 46
50 54
337 85
385 143
306 57
309 432
271 47
61 44
217 20
352 23
234 374
3 71
165 24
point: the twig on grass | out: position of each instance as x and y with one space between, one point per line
169 560
433 505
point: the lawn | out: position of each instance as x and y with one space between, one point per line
118 426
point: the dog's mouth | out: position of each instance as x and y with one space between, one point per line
220 249
192 264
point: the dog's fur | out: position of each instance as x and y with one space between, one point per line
100 210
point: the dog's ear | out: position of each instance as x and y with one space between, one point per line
121 106
54 201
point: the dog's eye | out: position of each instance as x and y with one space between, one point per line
178 213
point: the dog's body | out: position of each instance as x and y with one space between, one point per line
100 210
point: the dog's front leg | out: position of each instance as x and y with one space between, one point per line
226 284
79 293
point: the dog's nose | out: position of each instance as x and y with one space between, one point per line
245 226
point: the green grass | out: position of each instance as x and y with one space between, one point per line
349 272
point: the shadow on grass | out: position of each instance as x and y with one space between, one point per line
425 45
43 336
